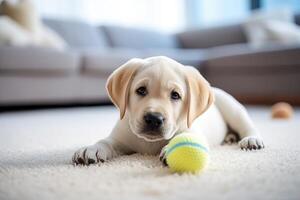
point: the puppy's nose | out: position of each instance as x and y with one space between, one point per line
154 120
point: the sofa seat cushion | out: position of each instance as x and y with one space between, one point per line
192 57
125 37
104 62
244 58
37 60
263 76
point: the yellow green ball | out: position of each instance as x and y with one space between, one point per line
187 153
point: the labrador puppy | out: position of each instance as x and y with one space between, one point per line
159 98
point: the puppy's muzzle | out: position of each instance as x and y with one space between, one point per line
153 121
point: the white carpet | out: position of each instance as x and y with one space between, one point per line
36 147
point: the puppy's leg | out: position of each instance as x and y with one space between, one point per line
162 156
98 153
236 116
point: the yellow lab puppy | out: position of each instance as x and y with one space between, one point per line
159 98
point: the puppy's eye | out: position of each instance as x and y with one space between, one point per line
141 91
175 95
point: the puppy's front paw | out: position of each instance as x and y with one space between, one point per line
89 155
162 156
251 143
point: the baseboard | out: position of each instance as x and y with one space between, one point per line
13 108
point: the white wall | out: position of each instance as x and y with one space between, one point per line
203 13
165 15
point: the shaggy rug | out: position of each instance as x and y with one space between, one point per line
36 149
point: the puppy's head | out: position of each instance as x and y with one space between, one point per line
159 96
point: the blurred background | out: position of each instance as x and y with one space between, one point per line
167 15
60 52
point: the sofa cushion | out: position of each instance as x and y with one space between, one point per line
210 37
78 34
192 57
37 60
138 38
104 62
238 58
255 75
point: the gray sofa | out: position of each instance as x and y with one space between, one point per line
40 76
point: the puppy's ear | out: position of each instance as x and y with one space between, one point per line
119 82
199 94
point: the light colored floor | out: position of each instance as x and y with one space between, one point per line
36 147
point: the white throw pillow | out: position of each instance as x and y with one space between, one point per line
264 28
283 32
11 33
21 25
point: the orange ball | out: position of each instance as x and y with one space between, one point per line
282 110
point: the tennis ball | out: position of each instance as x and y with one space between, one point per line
187 153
